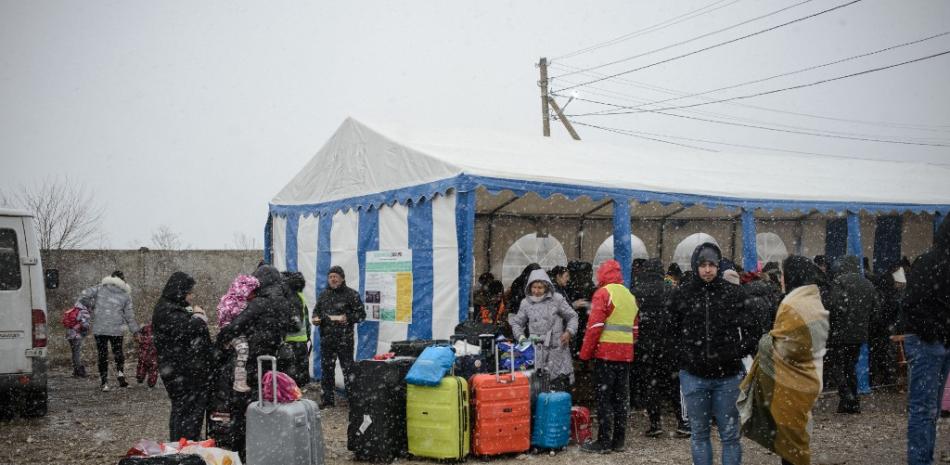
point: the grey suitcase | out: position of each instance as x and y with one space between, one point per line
286 434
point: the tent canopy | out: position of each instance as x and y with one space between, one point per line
372 165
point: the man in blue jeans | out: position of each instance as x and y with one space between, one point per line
714 335
927 310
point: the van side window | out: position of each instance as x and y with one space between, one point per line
10 278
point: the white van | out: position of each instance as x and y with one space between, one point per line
23 328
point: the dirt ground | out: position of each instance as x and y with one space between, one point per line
86 426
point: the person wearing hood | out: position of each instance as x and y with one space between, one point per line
608 341
338 308
111 306
853 299
927 344
580 287
185 354
546 314
296 354
263 324
656 364
784 382
516 292
714 334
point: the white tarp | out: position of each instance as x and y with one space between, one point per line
360 159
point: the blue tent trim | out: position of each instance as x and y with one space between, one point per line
367 331
293 221
420 242
465 183
323 267
269 239
465 237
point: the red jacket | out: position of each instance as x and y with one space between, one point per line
601 308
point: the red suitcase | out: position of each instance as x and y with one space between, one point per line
502 406
580 425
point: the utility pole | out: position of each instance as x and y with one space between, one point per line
545 115
548 102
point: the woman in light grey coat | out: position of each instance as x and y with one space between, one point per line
111 305
545 314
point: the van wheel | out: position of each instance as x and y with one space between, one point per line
33 403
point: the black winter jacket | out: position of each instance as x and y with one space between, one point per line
853 300
654 344
713 327
266 320
185 352
340 301
761 304
927 300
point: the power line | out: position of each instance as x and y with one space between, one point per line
753 126
775 91
687 40
720 44
810 68
665 90
626 133
714 114
755 147
656 27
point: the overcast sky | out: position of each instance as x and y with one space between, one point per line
195 114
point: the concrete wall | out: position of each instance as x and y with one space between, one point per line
146 272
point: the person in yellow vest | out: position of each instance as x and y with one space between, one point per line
609 340
295 357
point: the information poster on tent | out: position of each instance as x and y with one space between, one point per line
388 286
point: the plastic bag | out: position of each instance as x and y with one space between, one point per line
431 366
145 448
524 355
213 455
287 390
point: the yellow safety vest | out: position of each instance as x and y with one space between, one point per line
618 328
303 332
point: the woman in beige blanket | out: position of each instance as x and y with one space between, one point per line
777 396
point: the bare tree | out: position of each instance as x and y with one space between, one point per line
244 242
65 214
165 239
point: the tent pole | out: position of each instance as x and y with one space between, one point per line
623 252
750 260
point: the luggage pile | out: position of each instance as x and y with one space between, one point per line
426 401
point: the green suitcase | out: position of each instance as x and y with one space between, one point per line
437 419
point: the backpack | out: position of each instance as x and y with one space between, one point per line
71 318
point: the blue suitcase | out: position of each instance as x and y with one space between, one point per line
551 412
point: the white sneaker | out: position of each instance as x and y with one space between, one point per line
105 388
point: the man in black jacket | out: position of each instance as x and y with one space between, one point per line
714 334
853 299
184 356
927 313
657 374
338 309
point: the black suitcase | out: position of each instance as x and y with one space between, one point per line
377 398
176 459
414 347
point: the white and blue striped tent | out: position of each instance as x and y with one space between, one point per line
372 188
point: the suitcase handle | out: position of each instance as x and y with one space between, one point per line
498 370
260 379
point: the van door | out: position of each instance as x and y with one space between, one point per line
16 322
